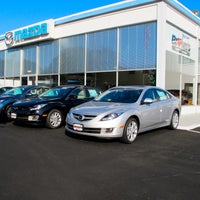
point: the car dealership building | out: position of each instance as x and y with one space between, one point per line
151 42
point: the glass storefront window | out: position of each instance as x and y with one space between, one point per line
1 81
187 78
12 81
2 59
181 65
145 77
198 87
50 80
13 63
72 54
48 57
137 47
102 50
29 80
29 60
32 80
180 77
198 92
77 79
103 81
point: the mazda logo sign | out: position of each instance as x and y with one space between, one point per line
81 117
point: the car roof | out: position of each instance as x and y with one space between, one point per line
136 87
25 86
32 86
7 87
70 86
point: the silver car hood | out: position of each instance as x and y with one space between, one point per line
96 108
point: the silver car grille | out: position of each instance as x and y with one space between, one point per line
83 117
87 130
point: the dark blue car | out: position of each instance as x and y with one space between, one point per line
18 93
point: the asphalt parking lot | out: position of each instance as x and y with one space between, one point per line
41 164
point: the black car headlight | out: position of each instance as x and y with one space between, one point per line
2 103
38 107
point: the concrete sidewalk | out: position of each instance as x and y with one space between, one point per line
190 118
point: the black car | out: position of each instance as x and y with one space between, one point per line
51 107
18 93
4 89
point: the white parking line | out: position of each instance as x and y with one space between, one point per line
193 131
190 128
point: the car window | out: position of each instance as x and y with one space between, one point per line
55 93
93 93
15 91
149 94
81 95
79 92
33 91
41 90
162 95
120 96
18 91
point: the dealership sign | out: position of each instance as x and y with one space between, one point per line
27 34
30 32
181 44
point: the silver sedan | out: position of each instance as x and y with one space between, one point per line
123 112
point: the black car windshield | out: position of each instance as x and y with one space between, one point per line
56 93
15 91
120 96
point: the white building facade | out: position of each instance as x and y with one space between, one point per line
151 42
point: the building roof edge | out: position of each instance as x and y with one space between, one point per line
182 8
102 10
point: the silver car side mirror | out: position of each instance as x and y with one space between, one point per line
147 101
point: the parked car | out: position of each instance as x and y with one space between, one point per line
18 93
124 112
4 89
52 106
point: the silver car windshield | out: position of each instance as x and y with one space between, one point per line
120 96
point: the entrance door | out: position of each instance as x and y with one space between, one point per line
24 80
28 80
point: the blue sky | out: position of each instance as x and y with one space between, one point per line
16 14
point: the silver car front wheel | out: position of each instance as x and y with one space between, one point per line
174 120
130 131
54 119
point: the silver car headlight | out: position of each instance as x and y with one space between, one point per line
111 116
38 107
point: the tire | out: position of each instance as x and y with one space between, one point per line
54 119
8 112
174 120
130 131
